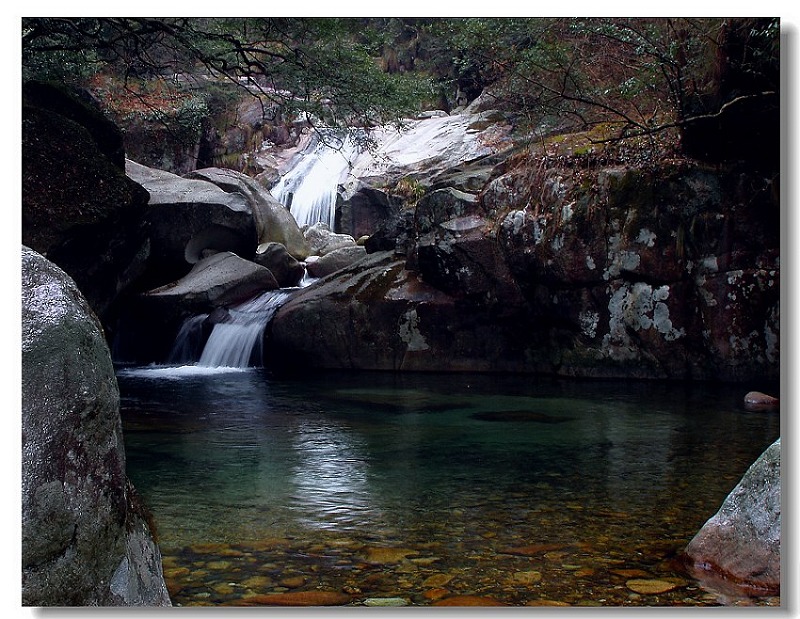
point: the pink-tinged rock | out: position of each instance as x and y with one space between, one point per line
757 401
468 600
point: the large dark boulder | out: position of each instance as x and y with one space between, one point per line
461 257
85 540
366 210
741 543
275 257
79 209
376 314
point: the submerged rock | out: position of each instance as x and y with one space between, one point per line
85 540
296 598
742 542
468 600
652 586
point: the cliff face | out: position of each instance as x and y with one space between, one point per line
668 271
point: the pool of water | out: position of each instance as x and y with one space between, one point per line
418 489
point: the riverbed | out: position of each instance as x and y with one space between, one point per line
385 489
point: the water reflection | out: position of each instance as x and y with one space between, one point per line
330 478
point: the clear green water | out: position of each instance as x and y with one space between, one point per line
418 488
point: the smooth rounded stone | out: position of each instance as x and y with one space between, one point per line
531 550
757 401
546 603
296 598
257 582
468 600
630 573
293 582
223 588
387 555
651 586
219 565
436 594
396 601
437 580
176 572
335 260
528 577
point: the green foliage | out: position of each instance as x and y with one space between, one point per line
316 67
644 75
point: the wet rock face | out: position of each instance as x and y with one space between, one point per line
83 540
670 273
741 543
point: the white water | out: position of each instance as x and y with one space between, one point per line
233 344
309 189
335 166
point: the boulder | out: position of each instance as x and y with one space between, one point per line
218 280
321 240
377 315
394 234
187 218
336 260
274 222
275 257
366 210
442 205
460 256
757 401
85 538
79 209
741 543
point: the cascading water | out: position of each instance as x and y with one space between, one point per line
309 189
235 342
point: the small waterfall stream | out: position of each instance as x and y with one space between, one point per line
309 188
235 342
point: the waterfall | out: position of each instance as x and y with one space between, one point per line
234 342
309 189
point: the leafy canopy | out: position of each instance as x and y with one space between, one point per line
316 67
